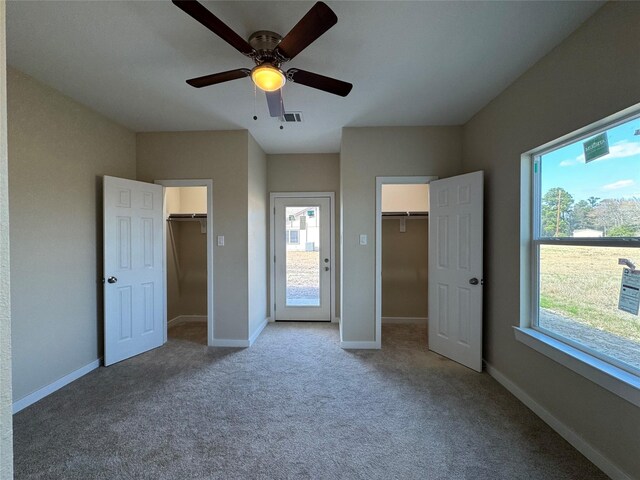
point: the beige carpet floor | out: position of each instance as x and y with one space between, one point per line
293 406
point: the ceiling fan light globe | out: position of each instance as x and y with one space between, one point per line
268 78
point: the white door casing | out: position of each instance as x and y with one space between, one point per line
133 268
284 308
455 268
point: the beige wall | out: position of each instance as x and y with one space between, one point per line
58 152
186 254
193 199
222 157
192 257
405 268
592 74
367 153
309 173
186 199
6 434
257 231
405 198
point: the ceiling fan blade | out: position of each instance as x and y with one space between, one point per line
221 77
317 21
314 80
275 103
213 23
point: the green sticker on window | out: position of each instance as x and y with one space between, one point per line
596 147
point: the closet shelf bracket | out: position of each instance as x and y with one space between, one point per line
190 217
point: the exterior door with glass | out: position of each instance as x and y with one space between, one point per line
302 262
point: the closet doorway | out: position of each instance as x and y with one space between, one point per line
188 260
402 250
454 262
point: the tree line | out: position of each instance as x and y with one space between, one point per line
614 217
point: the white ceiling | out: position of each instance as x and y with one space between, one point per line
411 63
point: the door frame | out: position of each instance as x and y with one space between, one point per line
332 247
210 251
404 180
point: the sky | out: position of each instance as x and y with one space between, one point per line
616 175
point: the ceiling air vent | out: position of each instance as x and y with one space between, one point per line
292 117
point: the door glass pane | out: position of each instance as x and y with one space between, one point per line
303 256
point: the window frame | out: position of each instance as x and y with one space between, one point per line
610 373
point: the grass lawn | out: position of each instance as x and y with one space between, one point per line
583 283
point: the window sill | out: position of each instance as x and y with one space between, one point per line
614 379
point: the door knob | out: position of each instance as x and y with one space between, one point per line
474 281
112 279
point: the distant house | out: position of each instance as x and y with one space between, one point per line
587 232
303 229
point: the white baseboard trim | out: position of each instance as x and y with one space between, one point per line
258 331
405 320
229 342
187 318
360 345
579 443
52 387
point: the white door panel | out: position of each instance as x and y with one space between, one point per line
133 288
455 268
302 264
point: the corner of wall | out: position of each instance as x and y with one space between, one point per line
257 245
6 423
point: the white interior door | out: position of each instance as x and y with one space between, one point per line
133 271
455 268
302 264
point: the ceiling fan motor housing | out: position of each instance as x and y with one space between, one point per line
264 42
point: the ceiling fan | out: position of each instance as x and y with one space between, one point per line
270 51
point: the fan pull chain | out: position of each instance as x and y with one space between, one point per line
281 107
281 117
255 110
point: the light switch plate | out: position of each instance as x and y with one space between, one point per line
221 240
363 239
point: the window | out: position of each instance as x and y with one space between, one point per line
586 216
293 237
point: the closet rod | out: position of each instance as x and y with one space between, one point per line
405 214
182 217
